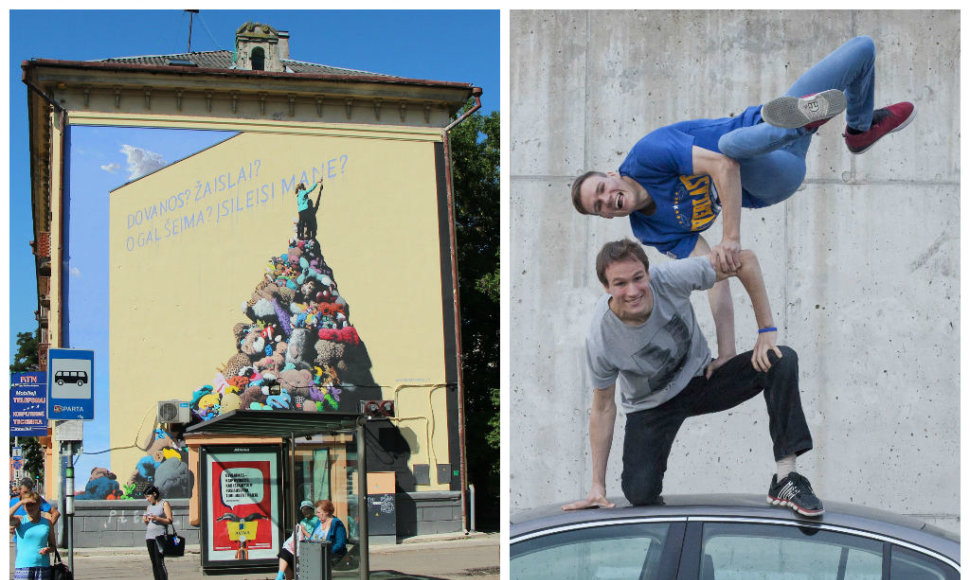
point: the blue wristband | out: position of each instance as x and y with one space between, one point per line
767 329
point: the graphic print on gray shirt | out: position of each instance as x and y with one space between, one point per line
672 357
652 362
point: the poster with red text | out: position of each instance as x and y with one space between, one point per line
242 510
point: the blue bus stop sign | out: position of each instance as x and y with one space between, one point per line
70 384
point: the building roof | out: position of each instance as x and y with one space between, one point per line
222 59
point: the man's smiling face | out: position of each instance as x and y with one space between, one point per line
628 283
609 195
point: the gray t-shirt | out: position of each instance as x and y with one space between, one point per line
154 530
652 362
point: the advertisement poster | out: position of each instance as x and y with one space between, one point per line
28 404
243 505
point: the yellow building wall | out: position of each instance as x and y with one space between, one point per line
177 290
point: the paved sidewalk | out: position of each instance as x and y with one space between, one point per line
422 557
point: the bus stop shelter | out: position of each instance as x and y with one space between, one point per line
250 482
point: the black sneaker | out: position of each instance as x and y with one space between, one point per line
795 491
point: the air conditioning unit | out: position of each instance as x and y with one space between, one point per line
174 411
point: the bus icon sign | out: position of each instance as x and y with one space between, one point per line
70 376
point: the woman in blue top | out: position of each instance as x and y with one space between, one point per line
35 540
331 529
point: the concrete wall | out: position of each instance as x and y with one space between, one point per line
118 523
861 264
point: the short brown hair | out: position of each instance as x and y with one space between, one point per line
577 184
618 251
326 505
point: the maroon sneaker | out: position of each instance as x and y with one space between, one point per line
809 112
884 121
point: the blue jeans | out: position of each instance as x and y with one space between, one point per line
772 159
649 434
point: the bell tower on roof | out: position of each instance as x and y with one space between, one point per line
261 47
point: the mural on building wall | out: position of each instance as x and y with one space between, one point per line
227 277
298 347
297 350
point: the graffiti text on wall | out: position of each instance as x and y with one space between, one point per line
217 198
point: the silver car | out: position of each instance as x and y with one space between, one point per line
728 537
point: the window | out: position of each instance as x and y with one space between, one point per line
258 58
910 565
782 552
609 551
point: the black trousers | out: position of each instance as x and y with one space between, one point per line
158 560
650 433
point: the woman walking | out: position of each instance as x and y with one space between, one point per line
157 517
35 539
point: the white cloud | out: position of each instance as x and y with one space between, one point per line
141 161
111 167
75 272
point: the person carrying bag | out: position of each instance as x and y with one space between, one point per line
171 544
158 516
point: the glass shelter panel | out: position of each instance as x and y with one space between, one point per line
325 468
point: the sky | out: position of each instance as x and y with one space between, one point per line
456 46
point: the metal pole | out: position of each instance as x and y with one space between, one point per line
191 12
453 249
294 519
362 500
471 503
69 502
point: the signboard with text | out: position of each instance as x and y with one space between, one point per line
70 380
241 504
28 404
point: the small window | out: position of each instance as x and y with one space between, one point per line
609 551
766 552
258 58
910 565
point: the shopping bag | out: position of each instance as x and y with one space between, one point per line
171 544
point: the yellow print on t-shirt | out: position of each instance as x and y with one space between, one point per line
703 209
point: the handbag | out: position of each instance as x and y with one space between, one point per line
59 570
171 544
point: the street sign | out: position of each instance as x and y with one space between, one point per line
70 380
28 404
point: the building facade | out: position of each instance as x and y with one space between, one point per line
282 238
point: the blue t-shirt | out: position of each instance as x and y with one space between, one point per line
686 204
303 197
31 538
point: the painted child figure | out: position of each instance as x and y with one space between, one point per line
305 206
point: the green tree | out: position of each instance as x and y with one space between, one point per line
26 358
475 155
33 455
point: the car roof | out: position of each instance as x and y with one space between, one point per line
837 514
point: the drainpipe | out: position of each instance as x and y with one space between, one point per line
477 93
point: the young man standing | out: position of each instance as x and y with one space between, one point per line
645 337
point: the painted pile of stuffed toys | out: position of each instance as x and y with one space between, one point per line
297 346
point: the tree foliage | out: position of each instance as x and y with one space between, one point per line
475 155
33 455
26 359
